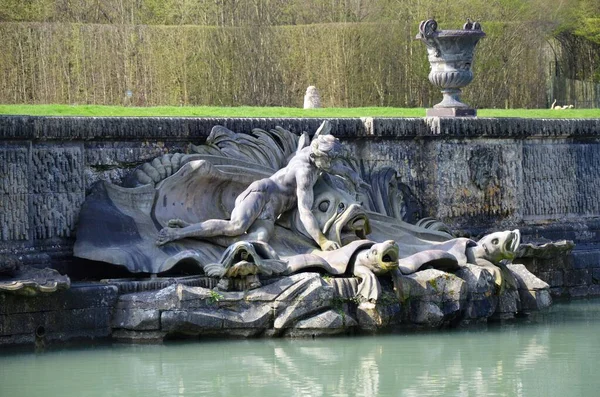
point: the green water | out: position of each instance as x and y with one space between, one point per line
556 356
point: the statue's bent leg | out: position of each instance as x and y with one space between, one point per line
242 217
261 230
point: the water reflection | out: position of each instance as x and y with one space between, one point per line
557 357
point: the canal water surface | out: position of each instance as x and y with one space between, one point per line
558 355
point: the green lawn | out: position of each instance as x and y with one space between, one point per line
247 111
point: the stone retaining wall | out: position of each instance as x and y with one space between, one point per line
476 175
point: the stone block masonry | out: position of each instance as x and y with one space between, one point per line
475 175
81 312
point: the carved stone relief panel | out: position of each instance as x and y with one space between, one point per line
14 185
57 190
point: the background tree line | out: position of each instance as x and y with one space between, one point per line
266 52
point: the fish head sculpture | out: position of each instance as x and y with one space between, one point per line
380 258
340 217
498 246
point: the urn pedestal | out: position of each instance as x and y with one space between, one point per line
451 57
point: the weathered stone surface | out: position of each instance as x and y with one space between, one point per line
126 335
586 259
312 295
567 185
373 317
259 317
302 283
55 321
216 322
425 313
596 276
560 262
482 298
282 304
553 278
479 280
163 299
534 293
450 112
79 296
270 292
14 189
577 277
431 285
57 190
149 128
197 297
191 322
509 303
559 292
329 320
136 285
545 251
9 265
535 299
478 181
431 297
84 311
345 287
581 291
526 279
136 319
594 290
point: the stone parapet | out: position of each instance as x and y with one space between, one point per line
187 129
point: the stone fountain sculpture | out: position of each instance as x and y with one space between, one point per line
269 207
450 54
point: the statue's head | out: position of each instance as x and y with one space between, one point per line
500 245
324 150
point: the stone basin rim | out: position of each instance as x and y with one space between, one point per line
452 33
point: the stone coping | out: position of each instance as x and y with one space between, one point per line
197 128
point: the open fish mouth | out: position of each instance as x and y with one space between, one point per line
238 252
390 255
350 224
512 243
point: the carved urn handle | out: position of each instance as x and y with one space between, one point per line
427 28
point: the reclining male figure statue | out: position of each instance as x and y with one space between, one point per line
259 206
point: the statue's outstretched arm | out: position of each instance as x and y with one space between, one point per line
305 197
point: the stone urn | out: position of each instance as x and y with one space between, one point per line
451 57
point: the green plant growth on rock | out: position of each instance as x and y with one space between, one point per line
214 297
